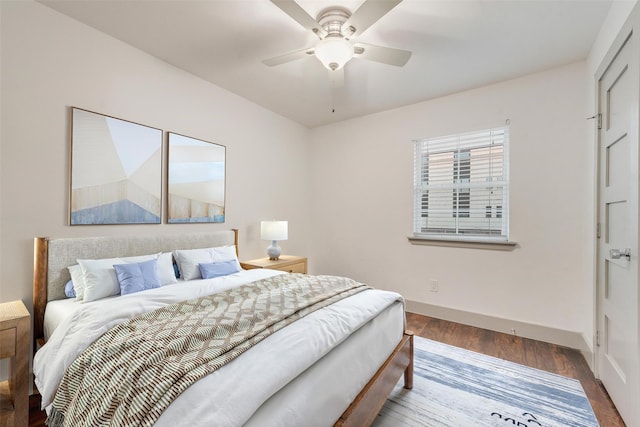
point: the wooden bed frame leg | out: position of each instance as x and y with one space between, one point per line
408 373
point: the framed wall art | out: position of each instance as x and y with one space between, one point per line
196 180
116 171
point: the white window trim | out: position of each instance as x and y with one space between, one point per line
500 242
498 245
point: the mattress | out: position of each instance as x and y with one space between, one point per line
56 312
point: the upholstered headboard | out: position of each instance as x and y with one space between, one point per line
53 256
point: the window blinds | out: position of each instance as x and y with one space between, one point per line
461 186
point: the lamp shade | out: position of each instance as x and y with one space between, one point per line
274 230
334 52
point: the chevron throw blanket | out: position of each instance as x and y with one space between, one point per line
131 374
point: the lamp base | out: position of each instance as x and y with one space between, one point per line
274 251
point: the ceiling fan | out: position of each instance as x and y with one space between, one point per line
337 27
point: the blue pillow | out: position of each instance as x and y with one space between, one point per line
136 277
217 269
69 291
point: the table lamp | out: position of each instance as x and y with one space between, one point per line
274 231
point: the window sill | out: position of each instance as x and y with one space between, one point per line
472 244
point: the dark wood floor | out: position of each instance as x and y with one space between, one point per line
540 355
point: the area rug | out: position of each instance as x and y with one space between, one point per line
453 387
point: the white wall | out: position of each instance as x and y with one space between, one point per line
51 62
362 202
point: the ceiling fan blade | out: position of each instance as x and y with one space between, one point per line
288 57
336 78
298 14
367 14
386 55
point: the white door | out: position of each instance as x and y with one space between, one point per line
618 355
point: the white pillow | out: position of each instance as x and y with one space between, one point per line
188 259
100 280
166 272
226 253
75 271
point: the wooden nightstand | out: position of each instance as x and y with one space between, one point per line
288 263
15 334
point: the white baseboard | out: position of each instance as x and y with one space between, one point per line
561 337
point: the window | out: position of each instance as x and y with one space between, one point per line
461 186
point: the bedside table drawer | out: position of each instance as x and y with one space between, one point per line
288 263
300 267
7 343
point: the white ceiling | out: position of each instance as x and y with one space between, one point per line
456 45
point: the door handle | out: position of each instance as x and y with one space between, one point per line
619 253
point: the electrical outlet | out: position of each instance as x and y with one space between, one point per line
433 285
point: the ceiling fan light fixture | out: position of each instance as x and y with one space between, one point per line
334 52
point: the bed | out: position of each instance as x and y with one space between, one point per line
302 374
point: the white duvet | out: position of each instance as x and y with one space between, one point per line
230 395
